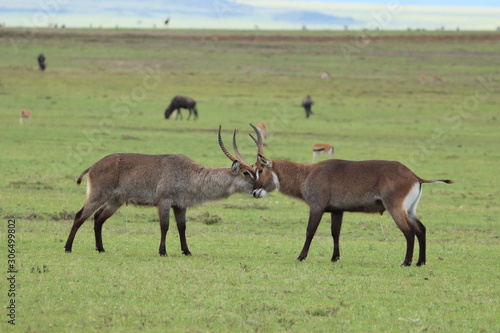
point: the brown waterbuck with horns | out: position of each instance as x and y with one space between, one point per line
338 186
164 181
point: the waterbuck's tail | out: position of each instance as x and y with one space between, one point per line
79 180
445 181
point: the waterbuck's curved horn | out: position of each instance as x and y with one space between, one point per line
228 154
235 147
259 141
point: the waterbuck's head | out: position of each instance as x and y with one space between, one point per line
267 180
242 171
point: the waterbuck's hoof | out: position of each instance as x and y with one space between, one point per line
100 250
187 253
406 264
299 259
67 251
334 259
420 263
162 251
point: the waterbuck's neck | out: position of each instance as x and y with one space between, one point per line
291 177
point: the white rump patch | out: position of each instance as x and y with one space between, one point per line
88 188
411 201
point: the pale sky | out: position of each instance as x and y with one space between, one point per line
249 14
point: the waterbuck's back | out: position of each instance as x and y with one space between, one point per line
358 186
141 179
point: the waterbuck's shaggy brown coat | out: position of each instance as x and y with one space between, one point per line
338 186
164 181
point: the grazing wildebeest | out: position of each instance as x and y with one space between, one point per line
306 104
41 62
181 102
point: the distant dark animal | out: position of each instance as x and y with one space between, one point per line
181 102
306 104
167 21
41 62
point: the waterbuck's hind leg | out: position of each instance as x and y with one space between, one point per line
104 213
420 232
80 217
410 243
77 223
180 218
314 219
402 221
336 226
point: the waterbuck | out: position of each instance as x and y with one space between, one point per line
181 102
338 186
164 181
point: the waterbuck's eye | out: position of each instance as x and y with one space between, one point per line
260 171
246 173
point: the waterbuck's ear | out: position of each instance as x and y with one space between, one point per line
235 168
265 162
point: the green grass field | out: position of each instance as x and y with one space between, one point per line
105 91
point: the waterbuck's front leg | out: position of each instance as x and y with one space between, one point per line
314 219
336 226
164 213
180 218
